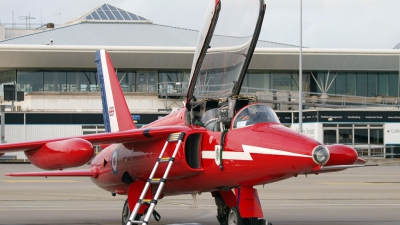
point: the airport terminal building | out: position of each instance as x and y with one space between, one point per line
351 96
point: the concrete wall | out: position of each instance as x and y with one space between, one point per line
91 102
2 32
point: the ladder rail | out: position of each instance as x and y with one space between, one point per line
173 137
146 187
161 186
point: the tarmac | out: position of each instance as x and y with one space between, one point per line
360 196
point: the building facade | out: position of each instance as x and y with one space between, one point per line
56 70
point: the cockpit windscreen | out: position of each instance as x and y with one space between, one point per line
252 114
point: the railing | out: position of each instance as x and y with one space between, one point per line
283 97
378 151
166 89
286 97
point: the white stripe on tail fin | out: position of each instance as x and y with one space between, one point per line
116 114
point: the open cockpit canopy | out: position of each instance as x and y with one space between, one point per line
225 46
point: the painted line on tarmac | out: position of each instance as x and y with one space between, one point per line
39 181
359 183
200 206
337 204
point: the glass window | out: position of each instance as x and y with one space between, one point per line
82 81
320 81
351 84
245 84
30 80
258 81
112 7
372 84
341 84
362 84
104 7
376 136
346 136
306 82
55 81
360 136
173 81
393 84
142 82
152 81
281 81
133 16
8 76
127 80
253 114
329 136
102 15
95 15
383 85
125 15
118 15
110 15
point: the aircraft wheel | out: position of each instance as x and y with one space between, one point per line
263 222
251 221
234 217
126 213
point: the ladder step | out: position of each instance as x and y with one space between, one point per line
166 159
176 137
137 222
156 180
145 201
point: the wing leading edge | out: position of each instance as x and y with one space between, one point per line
136 135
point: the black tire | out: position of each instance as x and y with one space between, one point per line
126 213
234 217
250 221
263 222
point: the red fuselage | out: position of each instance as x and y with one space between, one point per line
252 155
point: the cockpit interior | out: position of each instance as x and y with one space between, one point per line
230 113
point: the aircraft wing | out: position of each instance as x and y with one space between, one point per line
96 139
63 173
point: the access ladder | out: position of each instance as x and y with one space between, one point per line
174 137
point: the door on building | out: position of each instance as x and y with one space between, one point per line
147 81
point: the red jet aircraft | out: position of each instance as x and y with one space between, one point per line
224 144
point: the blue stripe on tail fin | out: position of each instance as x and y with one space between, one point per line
116 114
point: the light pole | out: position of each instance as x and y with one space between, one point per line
301 73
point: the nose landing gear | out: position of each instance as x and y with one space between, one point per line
126 213
234 218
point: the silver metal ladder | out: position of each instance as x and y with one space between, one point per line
174 137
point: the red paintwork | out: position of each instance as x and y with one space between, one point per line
120 106
228 197
134 191
252 155
103 146
249 202
341 155
61 154
1 154
73 173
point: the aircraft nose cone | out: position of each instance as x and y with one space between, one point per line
341 155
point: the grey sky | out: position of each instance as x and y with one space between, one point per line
326 23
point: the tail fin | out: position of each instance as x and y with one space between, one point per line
116 114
